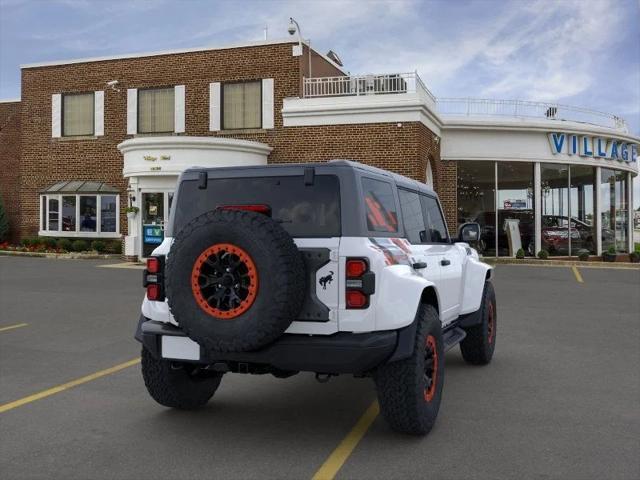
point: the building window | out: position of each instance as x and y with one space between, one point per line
242 105
516 225
614 210
477 200
78 114
80 215
581 206
156 110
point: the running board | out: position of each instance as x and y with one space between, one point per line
453 337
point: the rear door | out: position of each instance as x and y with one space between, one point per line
417 235
449 257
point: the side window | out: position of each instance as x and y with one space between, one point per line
380 205
436 227
412 216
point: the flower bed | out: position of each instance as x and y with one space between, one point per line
63 245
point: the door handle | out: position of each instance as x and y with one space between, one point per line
419 265
445 262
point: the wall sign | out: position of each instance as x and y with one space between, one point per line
589 146
153 234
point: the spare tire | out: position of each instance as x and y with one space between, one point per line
234 280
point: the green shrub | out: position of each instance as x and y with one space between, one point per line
543 254
4 223
80 246
98 245
48 242
520 253
26 242
115 246
611 250
583 254
65 244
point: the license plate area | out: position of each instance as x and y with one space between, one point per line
180 348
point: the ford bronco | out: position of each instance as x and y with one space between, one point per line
329 268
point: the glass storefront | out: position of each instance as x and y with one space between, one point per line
477 200
502 198
614 210
516 219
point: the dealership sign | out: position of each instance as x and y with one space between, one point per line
588 146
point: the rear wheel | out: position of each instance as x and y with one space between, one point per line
478 346
410 390
178 385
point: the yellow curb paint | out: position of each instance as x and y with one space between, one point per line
65 386
11 327
576 272
334 463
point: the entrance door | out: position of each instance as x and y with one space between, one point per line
154 216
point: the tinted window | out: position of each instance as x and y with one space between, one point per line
302 210
380 206
412 216
436 227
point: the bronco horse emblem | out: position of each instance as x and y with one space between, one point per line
327 279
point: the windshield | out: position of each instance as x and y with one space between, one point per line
302 210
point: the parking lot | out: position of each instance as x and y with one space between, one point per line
560 400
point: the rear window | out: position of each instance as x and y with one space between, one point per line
380 206
302 210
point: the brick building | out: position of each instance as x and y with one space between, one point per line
90 137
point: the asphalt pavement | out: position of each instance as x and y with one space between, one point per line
559 400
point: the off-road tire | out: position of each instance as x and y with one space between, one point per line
177 385
279 268
401 385
478 346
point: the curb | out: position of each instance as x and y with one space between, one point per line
562 263
63 256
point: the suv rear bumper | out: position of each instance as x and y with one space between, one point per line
341 352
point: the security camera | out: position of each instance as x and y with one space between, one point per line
292 27
112 83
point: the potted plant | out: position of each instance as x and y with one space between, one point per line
543 254
520 253
610 255
131 212
583 255
634 256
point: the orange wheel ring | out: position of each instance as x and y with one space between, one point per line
431 368
224 281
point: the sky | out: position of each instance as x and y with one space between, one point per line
582 52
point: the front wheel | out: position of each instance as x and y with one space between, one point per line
177 385
410 390
478 346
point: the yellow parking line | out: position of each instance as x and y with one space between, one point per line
132 265
576 272
11 327
334 463
65 386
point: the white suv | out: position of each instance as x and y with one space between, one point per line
328 268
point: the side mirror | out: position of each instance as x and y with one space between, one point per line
469 233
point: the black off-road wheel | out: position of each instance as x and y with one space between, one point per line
410 390
235 280
479 344
178 385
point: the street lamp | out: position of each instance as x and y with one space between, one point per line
293 28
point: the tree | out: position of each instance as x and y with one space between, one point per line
4 223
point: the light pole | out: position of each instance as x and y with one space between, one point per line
293 28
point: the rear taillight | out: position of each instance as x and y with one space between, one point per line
259 208
153 278
360 283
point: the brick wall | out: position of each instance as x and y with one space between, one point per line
45 160
10 163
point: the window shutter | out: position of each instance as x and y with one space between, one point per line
132 111
214 107
178 110
267 103
98 112
56 115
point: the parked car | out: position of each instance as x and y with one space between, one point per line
329 268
